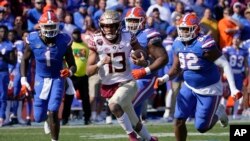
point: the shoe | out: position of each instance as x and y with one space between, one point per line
221 112
28 122
109 120
1 122
132 137
153 138
14 120
46 127
64 122
87 122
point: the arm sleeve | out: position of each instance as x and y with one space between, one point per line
223 63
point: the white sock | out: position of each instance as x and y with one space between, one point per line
144 133
53 140
125 123
7 111
19 111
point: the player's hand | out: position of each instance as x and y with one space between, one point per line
139 61
236 95
161 80
25 86
139 73
65 73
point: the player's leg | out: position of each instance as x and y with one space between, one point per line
55 99
205 117
120 99
4 81
185 105
145 90
129 90
68 99
84 92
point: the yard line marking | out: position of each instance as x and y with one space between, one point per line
115 136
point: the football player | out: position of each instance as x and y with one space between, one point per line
7 56
49 47
238 60
150 40
109 55
199 58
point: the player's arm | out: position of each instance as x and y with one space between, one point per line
24 68
69 58
91 63
158 54
172 73
9 57
214 55
25 60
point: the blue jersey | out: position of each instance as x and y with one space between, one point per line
143 38
246 45
19 45
236 58
49 60
198 72
5 49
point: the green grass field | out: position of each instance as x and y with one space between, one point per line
109 133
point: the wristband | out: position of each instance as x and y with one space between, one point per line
23 80
99 64
148 71
165 77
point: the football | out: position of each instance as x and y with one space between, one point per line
140 52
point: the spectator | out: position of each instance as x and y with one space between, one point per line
199 8
68 26
179 10
210 24
165 12
80 79
159 24
34 14
218 9
80 15
99 12
245 33
19 26
227 28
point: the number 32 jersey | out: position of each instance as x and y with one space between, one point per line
119 69
198 72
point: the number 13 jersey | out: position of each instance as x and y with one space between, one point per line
118 70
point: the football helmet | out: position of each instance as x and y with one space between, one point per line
135 19
188 27
49 24
110 24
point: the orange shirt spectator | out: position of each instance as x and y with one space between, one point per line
227 28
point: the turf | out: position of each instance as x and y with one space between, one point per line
109 133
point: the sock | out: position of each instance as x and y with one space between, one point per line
144 133
53 140
125 123
19 111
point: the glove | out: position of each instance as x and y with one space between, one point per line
237 96
25 86
156 84
65 73
161 80
139 73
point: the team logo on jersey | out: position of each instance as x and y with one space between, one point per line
106 50
99 42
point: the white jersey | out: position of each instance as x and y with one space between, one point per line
119 69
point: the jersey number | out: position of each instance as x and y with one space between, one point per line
236 61
47 57
118 57
189 61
